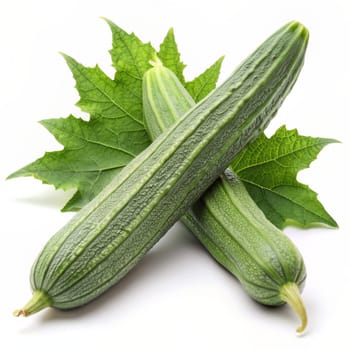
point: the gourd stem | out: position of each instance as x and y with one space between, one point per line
40 300
290 293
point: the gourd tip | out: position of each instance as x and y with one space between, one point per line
20 312
301 328
40 300
291 295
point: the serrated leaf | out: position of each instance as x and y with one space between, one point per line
205 82
170 55
96 150
130 57
92 155
101 96
269 166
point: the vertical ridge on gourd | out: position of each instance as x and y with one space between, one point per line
107 237
225 219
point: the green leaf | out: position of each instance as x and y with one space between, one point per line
130 57
103 97
269 166
170 56
94 152
205 82
201 85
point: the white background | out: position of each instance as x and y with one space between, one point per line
177 297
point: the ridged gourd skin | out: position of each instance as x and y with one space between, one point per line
107 237
225 219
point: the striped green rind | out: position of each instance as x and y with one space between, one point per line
177 101
114 231
238 235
